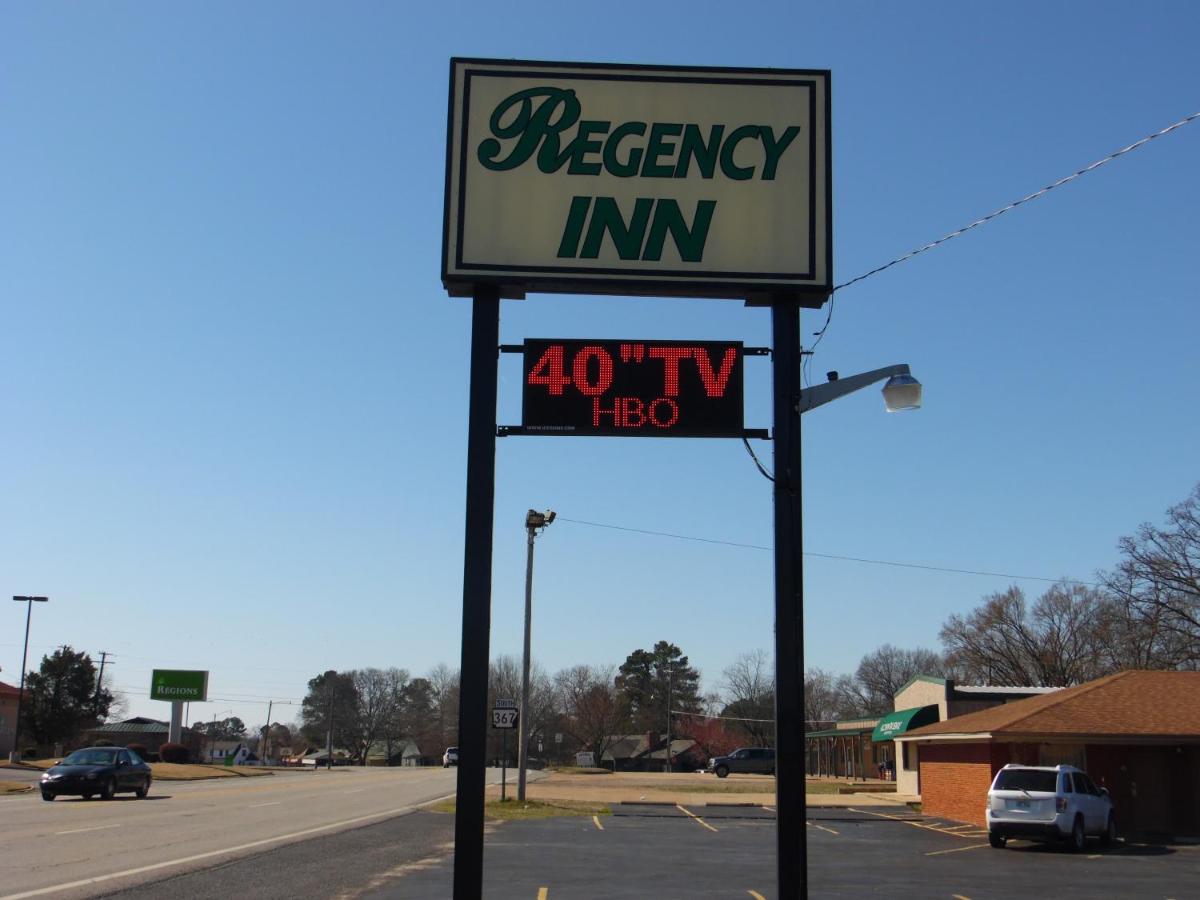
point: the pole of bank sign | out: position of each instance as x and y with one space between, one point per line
477 595
791 838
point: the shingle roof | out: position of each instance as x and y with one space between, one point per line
8 690
1133 703
130 728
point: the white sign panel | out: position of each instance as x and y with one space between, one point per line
586 178
504 718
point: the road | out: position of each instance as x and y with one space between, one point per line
76 848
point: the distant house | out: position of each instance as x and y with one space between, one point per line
150 733
644 752
402 753
235 753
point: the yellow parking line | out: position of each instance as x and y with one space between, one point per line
756 895
694 816
822 827
960 834
956 849
543 893
596 819
961 897
768 808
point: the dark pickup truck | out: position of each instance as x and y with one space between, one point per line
759 760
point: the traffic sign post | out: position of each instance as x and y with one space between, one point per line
504 717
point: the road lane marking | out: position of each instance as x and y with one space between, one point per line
543 893
166 864
257 805
93 828
596 819
356 791
686 812
756 895
768 808
956 849
823 828
968 834
961 897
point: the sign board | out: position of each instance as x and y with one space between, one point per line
585 759
633 388
670 181
180 685
504 714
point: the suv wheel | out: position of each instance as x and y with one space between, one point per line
722 771
1078 839
997 840
1110 832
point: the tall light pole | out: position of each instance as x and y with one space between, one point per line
670 673
534 521
15 755
901 392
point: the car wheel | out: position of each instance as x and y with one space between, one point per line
997 840
1078 839
108 789
143 790
87 795
47 796
1110 832
722 771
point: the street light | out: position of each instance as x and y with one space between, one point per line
902 391
534 521
15 755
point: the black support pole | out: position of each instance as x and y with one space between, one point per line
791 839
477 596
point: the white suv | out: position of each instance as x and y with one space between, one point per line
1048 803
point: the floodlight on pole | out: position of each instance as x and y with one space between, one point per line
534 521
15 755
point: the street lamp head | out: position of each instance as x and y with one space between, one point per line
31 599
535 519
902 392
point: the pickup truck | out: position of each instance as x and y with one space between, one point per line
759 760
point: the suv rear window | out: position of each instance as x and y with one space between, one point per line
1026 780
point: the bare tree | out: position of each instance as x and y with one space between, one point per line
1158 582
379 694
750 689
829 697
882 672
594 712
1060 641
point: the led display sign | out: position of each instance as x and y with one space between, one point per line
633 388
663 180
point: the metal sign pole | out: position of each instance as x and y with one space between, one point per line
503 763
477 596
792 848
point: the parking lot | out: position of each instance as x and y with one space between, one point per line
669 851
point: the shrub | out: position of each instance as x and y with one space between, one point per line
174 753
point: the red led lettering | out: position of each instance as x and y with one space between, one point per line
549 370
598 411
633 412
671 357
580 369
714 384
657 417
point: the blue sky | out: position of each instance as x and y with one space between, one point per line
234 390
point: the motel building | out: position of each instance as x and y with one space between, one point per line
1136 733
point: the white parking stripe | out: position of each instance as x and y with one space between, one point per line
93 828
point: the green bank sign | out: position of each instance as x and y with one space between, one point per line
179 684
585 178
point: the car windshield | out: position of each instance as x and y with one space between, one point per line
90 758
1026 780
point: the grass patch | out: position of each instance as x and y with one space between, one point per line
511 810
14 787
198 772
581 770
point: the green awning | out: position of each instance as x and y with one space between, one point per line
838 732
895 724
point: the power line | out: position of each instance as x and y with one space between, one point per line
834 556
1069 178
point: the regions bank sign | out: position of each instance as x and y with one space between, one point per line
587 178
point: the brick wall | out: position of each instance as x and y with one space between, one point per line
955 779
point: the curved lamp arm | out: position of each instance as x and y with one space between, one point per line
820 394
